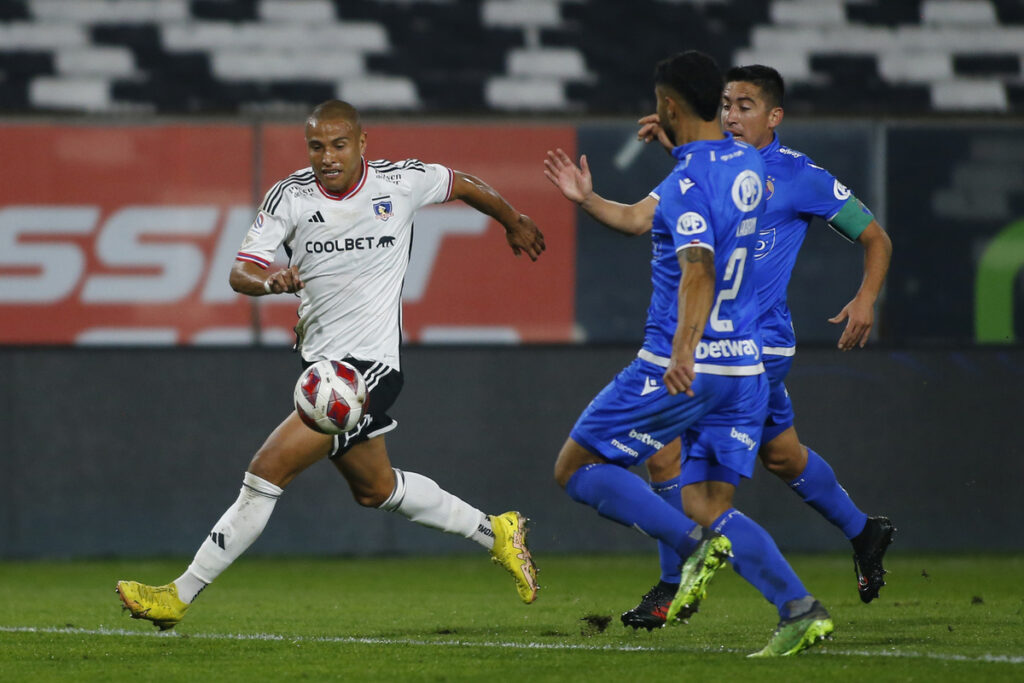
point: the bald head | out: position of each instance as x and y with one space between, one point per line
334 110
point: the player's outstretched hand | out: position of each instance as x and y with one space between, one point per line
525 236
574 181
859 317
650 129
285 280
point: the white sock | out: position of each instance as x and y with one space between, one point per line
420 499
233 533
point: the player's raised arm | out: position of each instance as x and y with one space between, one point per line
576 184
860 311
521 232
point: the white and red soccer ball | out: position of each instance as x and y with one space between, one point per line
330 396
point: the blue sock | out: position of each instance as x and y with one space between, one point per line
671 492
818 486
620 495
757 559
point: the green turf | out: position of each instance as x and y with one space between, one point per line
458 619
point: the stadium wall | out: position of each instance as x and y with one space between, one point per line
116 452
136 250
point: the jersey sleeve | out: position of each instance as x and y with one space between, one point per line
686 211
819 193
431 183
269 230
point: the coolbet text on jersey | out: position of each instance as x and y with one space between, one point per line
352 252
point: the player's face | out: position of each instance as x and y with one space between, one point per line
335 148
746 115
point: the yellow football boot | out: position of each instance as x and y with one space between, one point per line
159 604
510 552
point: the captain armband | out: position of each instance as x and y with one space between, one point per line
852 219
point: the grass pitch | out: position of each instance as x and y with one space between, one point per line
458 619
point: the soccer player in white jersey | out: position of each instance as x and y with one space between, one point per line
346 225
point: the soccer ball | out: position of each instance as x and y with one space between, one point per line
330 396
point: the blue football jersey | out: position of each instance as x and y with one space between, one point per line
712 199
796 190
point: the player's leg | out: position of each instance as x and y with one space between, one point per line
375 483
811 477
619 495
718 457
289 449
756 557
624 425
663 474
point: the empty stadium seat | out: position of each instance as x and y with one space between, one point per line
452 56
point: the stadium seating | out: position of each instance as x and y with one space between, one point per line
547 56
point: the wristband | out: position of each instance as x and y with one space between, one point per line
266 286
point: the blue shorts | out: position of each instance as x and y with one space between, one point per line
635 416
780 408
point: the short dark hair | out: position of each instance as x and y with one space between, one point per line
335 109
764 77
697 79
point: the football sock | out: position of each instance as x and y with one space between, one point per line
818 486
757 559
233 533
621 496
669 491
421 500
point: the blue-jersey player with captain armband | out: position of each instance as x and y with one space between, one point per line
699 374
796 191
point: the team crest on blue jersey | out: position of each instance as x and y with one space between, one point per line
382 209
765 243
769 187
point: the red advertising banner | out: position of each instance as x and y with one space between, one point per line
125 235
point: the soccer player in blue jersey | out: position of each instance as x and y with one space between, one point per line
797 190
699 374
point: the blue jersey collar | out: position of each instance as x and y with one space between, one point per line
772 146
682 151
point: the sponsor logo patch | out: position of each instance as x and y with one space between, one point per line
646 439
691 223
840 190
743 438
747 191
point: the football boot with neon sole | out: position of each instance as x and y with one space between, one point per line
159 604
510 552
712 552
798 633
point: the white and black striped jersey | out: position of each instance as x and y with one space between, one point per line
351 251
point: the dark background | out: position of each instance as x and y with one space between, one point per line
138 452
